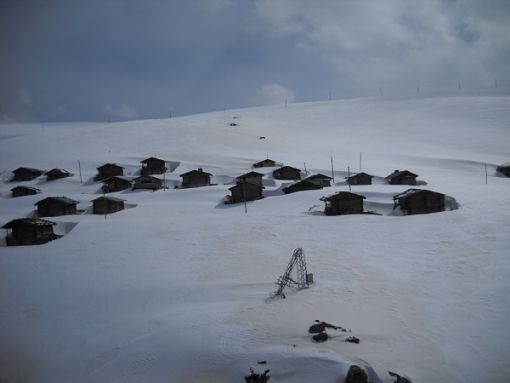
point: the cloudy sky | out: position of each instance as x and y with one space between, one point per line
128 59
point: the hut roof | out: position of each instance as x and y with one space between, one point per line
110 165
251 174
246 183
342 195
263 161
25 188
123 178
288 167
148 177
398 173
27 222
64 200
318 176
31 170
115 199
365 174
152 159
410 192
57 170
195 172
305 183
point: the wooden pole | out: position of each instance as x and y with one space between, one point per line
348 175
486 180
360 168
244 197
79 169
332 171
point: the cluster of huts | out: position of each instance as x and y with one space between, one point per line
248 187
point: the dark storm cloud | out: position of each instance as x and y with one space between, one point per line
93 60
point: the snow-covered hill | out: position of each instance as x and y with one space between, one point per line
174 289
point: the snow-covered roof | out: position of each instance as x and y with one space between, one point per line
64 200
410 192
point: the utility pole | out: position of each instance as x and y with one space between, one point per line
360 168
332 171
380 92
244 197
285 102
348 175
79 169
486 179
460 87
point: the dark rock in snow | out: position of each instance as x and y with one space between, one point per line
356 375
352 339
400 379
321 337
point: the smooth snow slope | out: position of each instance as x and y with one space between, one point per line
174 289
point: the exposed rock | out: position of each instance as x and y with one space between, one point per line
320 337
356 375
400 379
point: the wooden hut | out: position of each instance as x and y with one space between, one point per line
153 165
57 173
287 173
26 174
419 201
267 163
20 191
302 186
147 182
195 178
109 170
117 183
320 179
343 203
251 177
245 191
29 231
504 169
360 179
107 205
55 206
402 177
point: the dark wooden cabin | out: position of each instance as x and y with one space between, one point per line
55 206
402 177
147 182
343 203
107 205
153 165
29 231
114 184
245 191
504 169
267 163
109 170
419 201
287 173
20 191
320 179
251 177
26 174
56 173
195 178
359 179
302 186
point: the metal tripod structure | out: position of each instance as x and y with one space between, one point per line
302 280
